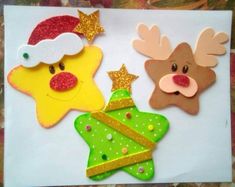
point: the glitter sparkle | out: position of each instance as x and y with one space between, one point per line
89 25
122 79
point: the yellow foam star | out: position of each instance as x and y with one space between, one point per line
89 25
122 79
51 104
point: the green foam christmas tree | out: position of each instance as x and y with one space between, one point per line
121 137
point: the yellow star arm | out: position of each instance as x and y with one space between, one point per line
91 97
86 63
49 112
23 79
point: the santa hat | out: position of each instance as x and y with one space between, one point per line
50 41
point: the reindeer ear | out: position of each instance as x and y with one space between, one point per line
152 44
210 45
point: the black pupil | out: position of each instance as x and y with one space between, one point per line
174 67
52 69
185 69
61 65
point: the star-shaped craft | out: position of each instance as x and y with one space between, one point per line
89 25
179 80
61 87
127 138
122 79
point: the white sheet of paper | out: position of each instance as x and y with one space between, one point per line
196 148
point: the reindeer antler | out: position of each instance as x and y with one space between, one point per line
210 45
152 44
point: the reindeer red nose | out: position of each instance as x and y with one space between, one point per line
181 80
63 81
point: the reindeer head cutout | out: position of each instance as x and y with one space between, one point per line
179 76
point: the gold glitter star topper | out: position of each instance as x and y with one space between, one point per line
122 79
89 25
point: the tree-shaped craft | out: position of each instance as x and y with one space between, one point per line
120 136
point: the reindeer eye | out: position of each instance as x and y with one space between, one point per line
174 67
185 69
52 69
61 65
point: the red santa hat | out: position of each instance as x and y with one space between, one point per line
50 41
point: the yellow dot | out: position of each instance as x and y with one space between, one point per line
124 150
150 127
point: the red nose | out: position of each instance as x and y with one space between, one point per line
181 80
63 81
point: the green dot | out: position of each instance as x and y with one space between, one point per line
104 157
26 55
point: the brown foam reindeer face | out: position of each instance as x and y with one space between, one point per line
179 76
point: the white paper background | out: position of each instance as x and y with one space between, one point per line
196 148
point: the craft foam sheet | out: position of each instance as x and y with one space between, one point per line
197 148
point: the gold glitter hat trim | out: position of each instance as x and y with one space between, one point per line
119 162
124 129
